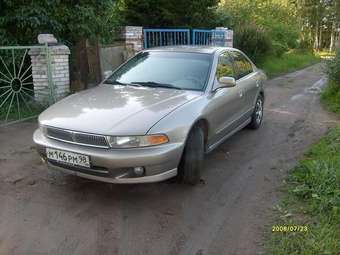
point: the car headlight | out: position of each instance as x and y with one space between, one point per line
136 141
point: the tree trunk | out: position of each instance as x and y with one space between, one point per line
316 36
320 38
80 68
337 41
332 42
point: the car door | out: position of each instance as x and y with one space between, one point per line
225 106
246 80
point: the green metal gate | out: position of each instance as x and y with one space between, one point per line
20 99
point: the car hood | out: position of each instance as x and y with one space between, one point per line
115 109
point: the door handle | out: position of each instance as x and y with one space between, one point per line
241 93
257 84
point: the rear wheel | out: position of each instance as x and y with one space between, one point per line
257 116
192 159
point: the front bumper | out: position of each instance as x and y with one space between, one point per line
116 165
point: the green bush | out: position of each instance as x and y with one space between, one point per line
70 21
331 94
279 49
305 44
333 69
331 97
283 33
253 40
277 18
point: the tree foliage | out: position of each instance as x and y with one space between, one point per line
333 69
289 23
274 18
320 21
165 13
22 20
253 40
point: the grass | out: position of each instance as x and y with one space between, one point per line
288 62
312 195
313 200
330 97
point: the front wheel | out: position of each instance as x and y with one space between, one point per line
257 116
192 159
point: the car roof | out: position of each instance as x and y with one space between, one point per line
190 49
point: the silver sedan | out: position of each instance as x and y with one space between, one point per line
155 117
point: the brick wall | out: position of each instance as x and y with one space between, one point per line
59 55
132 37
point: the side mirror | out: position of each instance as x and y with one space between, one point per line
226 82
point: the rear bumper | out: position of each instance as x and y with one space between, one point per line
116 165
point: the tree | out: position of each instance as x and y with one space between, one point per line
320 20
271 22
165 13
22 20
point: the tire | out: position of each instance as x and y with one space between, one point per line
257 116
192 159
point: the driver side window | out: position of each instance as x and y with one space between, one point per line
224 66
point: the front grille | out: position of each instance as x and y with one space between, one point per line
90 139
77 137
59 134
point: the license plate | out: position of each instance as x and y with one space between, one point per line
66 157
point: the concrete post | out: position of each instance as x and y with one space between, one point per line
133 38
59 69
227 38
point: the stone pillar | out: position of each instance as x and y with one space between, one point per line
59 69
132 37
222 36
229 38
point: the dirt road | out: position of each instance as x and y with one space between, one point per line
226 214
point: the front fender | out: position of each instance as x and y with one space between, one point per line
178 123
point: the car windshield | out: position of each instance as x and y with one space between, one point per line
175 70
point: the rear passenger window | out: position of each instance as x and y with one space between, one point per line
224 66
242 66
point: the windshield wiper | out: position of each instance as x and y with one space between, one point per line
121 83
156 84
114 82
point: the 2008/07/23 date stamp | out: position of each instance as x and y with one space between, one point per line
289 228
